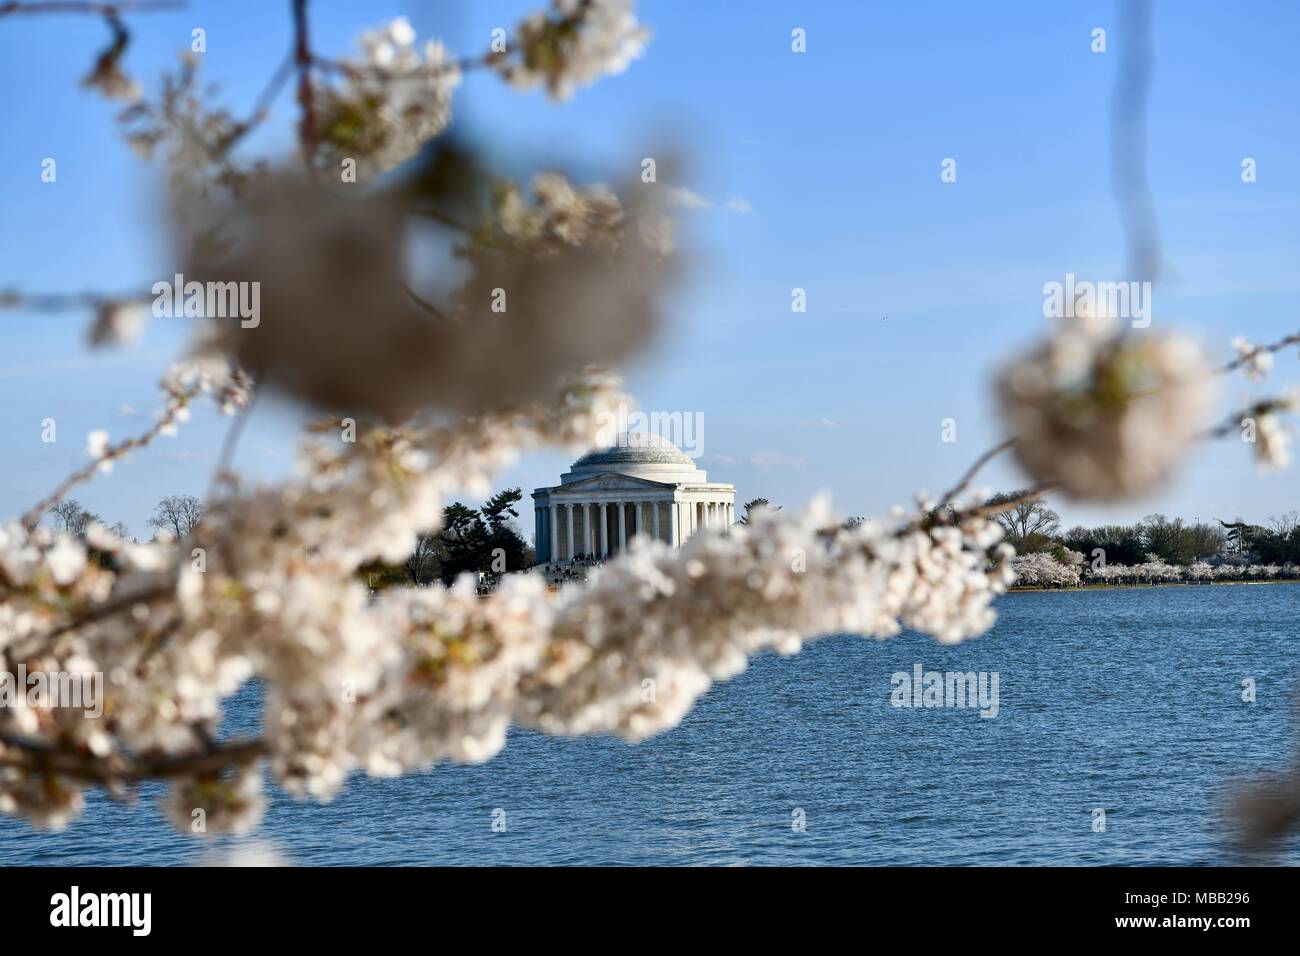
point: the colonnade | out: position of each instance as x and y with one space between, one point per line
597 528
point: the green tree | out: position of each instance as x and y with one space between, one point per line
507 550
753 505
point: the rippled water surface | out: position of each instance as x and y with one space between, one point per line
1127 700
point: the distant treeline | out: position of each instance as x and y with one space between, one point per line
1032 527
1155 549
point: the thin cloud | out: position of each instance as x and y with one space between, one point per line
818 423
683 198
775 459
763 460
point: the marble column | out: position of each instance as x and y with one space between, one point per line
654 520
553 534
568 523
604 531
622 526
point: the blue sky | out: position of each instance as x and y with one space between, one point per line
915 287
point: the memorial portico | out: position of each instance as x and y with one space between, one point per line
643 485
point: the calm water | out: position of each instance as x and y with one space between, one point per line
1125 700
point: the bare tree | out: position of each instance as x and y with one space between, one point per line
424 560
177 515
1030 526
120 529
71 517
1284 524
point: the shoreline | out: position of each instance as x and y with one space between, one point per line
1141 587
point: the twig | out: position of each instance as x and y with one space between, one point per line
307 131
262 107
80 6
1128 142
1293 339
972 471
66 302
425 304
228 446
1265 406
1041 490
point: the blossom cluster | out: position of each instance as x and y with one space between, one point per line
1105 415
582 41
390 102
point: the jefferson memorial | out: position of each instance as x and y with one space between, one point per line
644 484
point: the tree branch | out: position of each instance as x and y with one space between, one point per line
80 6
307 129
1292 339
117 768
973 470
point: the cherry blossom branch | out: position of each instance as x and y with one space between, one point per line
46 758
1265 406
1250 355
92 615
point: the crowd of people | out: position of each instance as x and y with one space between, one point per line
574 569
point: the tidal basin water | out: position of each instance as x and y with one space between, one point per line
1126 700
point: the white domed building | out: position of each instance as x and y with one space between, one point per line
643 485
